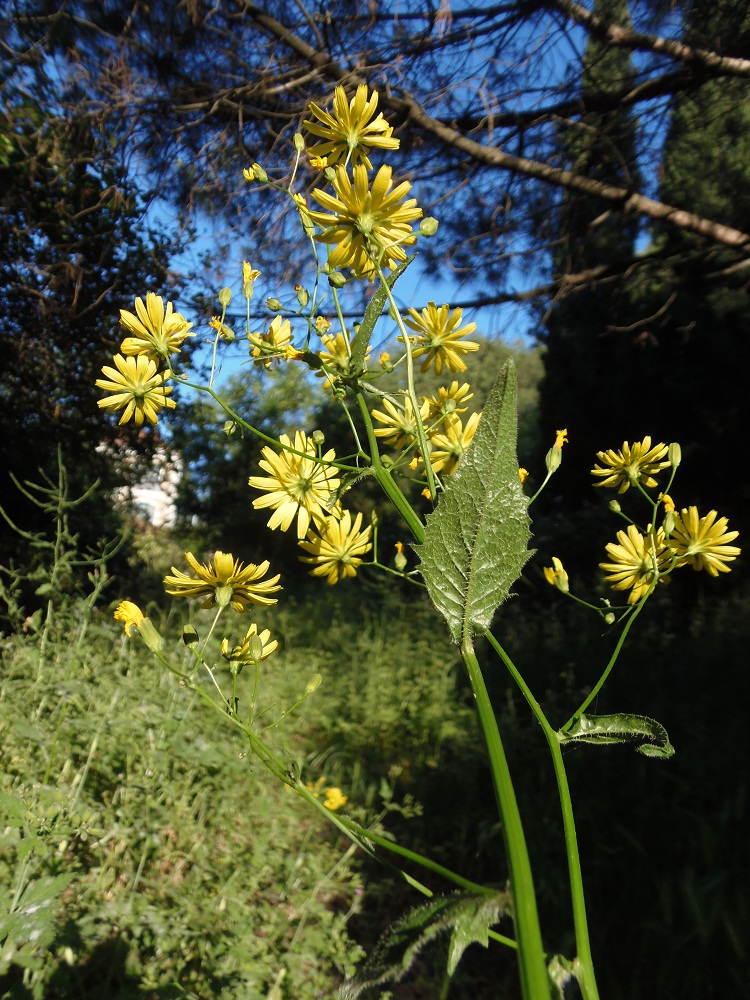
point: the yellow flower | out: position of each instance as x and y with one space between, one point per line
157 333
350 132
523 475
667 502
703 542
137 387
273 345
297 485
334 799
223 582
256 646
336 552
400 429
440 336
447 400
450 444
556 575
336 357
633 557
322 325
366 225
131 615
631 465
248 277
561 438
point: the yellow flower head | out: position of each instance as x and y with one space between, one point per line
523 475
638 463
450 444
256 646
336 552
297 485
448 400
273 345
351 132
365 225
440 337
336 357
136 387
248 277
334 799
157 332
400 430
131 615
635 557
667 503
561 438
556 575
703 542
224 582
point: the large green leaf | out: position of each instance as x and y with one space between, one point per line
476 540
467 917
649 735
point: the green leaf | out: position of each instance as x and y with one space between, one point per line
372 314
650 735
468 917
476 541
12 809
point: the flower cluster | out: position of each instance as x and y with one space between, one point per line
366 223
642 557
135 385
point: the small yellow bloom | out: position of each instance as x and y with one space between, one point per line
556 575
561 438
336 358
450 445
135 386
322 325
131 615
440 337
447 400
667 503
248 277
638 463
334 799
399 547
300 485
318 162
523 475
256 646
635 560
385 358
273 345
157 332
351 132
224 582
400 430
365 225
703 542
426 493
336 551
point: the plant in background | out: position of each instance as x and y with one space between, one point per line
471 543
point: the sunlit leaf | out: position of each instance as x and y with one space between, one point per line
649 734
372 314
476 540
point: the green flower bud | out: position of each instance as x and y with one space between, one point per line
614 507
553 459
318 438
674 454
229 427
330 174
303 296
336 279
609 618
225 297
668 523
399 562
428 226
299 142
313 684
274 305
259 173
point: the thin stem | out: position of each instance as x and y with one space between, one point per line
532 963
584 961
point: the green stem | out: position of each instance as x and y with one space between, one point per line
584 964
533 967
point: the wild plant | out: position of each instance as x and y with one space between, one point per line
469 526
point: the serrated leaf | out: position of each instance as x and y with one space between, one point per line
372 314
12 809
468 917
476 540
649 734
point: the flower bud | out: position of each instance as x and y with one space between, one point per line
259 173
336 279
150 636
229 427
553 459
299 142
428 226
274 305
255 646
668 523
313 684
303 296
225 297
400 562
318 438
674 454
330 174
614 507
609 618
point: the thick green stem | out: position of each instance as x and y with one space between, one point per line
584 964
531 958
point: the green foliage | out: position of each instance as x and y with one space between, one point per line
651 737
476 541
